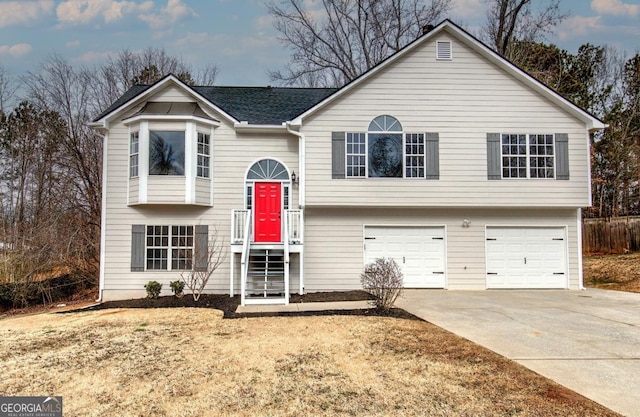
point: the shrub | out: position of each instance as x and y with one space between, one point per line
153 289
383 279
177 287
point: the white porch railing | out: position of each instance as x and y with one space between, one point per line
238 224
294 231
244 259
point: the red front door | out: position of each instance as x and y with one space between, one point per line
268 207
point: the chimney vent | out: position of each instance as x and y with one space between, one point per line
427 28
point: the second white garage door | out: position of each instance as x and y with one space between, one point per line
526 257
419 251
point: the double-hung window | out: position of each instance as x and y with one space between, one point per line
204 155
134 153
356 155
414 155
527 156
169 245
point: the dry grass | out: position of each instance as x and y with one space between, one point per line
613 272
191 362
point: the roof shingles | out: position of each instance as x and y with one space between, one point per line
255 105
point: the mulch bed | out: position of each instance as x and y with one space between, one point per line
228 305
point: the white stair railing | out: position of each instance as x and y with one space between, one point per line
244 259
294 232
239 225
286 259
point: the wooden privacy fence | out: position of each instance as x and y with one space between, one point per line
611 236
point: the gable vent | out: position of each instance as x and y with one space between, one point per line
443 50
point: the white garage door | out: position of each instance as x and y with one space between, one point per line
526 257
419 251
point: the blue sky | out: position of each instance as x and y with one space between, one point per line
236 35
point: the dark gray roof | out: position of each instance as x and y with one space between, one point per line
256 105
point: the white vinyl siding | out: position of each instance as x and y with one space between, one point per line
337 234
233 155
462 101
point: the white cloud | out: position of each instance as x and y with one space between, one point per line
17 50
174 11
72 44
82 12
615 7
20 12
578 26
467 9
92 56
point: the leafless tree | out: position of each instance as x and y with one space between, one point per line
517 20
340 40
8 88
214 254
109 81
57 87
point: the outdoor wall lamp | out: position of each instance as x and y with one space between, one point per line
294 178
466 223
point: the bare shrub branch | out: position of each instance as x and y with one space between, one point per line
215 254
383 279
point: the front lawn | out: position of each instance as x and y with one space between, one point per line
192 362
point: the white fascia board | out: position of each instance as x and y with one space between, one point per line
248 128
154 89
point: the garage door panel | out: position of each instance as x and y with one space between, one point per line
526 257
419 252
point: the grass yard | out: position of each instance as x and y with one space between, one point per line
613 272
192 362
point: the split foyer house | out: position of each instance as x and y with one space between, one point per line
446 157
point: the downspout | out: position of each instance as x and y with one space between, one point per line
103 215
301 190
301 165
579 234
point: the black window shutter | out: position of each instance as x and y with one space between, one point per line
137 247
562 156
201 247
337 155
433 156
493 156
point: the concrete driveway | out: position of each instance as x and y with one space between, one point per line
588 341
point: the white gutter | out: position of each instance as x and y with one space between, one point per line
301 165
579 234
103 216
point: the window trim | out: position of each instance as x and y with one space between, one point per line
206 156
134 156
170 247
366 155
528 156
